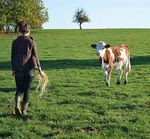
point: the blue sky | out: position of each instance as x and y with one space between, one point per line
102 13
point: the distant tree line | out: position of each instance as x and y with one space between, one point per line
13 11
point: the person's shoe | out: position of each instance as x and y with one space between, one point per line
24 108
17 106
18 112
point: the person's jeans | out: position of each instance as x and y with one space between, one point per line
23 83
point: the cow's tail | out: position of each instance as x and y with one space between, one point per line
129 63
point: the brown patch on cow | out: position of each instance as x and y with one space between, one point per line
93 45
108 60
125 46
116 51
106 57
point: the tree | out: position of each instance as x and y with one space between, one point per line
31 11
3 16
80 17
14 11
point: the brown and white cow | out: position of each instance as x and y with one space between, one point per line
117 57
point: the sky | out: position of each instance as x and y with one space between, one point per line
102 13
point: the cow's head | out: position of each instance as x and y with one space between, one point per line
99 46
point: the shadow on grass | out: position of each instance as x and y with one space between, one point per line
7 115
5 65
5 134
79 64
59 64
7 90
24 118
140 60
69 63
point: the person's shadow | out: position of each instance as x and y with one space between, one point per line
24 118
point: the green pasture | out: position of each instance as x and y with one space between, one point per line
77 104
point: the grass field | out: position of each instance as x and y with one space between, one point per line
77 103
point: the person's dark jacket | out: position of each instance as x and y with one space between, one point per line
24 54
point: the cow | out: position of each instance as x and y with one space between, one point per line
113 57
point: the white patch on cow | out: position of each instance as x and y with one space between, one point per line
106 66
102 63
101 53
106 73
123 55
100 47
107 78
119 65
124 60
101 44
111 53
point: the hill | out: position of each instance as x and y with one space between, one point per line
77 103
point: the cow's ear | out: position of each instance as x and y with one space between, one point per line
107 46
93 45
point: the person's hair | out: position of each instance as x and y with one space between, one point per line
23 27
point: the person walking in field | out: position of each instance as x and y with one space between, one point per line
24 61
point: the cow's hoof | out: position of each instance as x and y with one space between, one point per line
107 84
125 82
118 82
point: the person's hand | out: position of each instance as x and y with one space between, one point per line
13 73
41 73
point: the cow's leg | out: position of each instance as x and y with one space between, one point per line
126 78
107 78
127 68
120 71
108 71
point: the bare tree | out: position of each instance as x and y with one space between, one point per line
80 17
